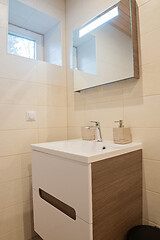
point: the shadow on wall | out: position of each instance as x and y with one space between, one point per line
118 91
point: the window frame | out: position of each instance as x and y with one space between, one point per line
23 37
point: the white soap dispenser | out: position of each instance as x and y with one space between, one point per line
121 135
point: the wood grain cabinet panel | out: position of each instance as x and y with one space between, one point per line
116 195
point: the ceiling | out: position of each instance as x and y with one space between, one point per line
29 18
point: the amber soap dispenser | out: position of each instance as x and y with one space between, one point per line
121 135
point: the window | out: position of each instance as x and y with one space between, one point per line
21 46
33 33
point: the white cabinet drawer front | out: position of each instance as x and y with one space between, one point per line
52 224
67 180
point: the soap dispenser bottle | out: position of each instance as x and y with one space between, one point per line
121 135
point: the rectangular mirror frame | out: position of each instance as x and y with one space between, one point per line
134 32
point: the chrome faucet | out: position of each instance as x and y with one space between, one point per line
98 130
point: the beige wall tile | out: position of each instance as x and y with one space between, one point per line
14 117
150 75
15 167
74 132
141 2
18 68
76 117
107 133
147 222
150 138
16 234
75 99
10 168
151 176
142 112
151 207
52 134
18 92
133 88
51 74
106 113
148 24
17 141
107 93
17 216
26 165
52 96
150 42
52 117
14 192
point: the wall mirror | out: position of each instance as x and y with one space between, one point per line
105 49
33 34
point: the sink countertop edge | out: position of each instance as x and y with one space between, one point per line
87 159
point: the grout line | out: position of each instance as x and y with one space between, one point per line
144 3
33 105
152 191
132 127
36 128
66 70
122 99
11 231
10 155
18 154
15 179
30 82
15 204
151 31
151 222
148 159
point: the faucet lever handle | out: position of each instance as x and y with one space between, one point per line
120 122
96 122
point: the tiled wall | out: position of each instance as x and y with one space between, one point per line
135 101
26 85
30 85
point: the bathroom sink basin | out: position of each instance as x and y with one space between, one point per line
85 151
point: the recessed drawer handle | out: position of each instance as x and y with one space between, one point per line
61 206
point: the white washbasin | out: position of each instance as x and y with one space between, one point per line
85 151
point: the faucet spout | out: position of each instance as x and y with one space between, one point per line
98 129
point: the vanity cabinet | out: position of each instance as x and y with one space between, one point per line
78 200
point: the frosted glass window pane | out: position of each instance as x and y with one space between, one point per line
21 46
